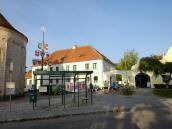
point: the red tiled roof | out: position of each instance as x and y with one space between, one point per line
28 74
84 53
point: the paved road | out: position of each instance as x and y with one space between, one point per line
128 120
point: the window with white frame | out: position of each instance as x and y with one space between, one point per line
74 68
95 79
88 79
68 80
94 65
51 68
67 67
57 68
30 82
87 66
57 81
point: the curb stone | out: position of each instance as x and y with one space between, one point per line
115 110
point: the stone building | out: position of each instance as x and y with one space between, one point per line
12 49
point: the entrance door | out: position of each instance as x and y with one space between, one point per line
142 80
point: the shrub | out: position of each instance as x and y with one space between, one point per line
57 89
127 90
118 77
161 86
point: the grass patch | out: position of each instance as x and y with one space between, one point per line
163 92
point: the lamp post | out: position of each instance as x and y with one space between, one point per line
41 52
43 29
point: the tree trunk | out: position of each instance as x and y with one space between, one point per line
167 86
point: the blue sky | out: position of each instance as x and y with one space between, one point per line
111 26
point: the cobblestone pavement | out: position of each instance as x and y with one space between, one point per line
143 99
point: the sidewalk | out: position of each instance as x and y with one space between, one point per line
102 103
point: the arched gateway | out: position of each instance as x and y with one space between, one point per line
142 80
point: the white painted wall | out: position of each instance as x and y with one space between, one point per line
101 70
168 56
28 84
131 76
38 77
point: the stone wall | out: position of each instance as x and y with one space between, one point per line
3 47
14 45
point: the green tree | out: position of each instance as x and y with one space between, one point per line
129 59
168 68
153 64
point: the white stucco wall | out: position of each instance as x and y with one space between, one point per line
168 56
101 71
28 82
38 77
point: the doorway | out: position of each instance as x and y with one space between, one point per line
142 80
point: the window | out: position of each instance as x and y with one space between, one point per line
30 82
51 68
57 81
68 80
94 65
87 66
88 79
51 81
95 79
57 68
74 67
67 67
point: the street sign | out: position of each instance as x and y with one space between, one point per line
10 88
42 89
10 91
11 66
37 53
36 62
40 45
46 47
10 85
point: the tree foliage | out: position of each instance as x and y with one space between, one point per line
151 64
154 65
168 68
129 59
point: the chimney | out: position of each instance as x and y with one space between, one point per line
74 46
